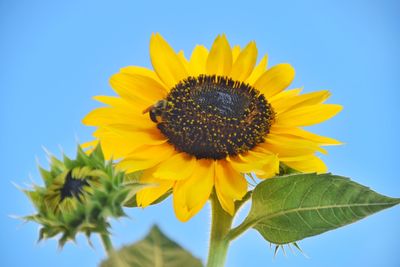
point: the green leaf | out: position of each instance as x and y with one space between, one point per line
289 208
155 250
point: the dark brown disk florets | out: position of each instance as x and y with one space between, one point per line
72 187
212 117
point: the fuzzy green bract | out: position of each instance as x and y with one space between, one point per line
95 192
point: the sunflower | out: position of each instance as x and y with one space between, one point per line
202 124
70 188
78 196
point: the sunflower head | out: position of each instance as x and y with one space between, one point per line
78 195
205 123
212 117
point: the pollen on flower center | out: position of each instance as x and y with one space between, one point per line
213 117
73 187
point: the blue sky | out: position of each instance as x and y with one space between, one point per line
56 55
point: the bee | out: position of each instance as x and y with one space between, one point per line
156 110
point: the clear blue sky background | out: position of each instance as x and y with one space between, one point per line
56 55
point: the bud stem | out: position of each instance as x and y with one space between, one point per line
108 247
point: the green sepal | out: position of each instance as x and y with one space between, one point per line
286 170
46 176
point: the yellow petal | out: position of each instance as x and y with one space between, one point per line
269 170
133 110
151 136
275 80
301 100
166 62
296 158
219 61
191 194
258 70
235 52
287 151
312 164
156 189
185 62
115 101
89 146
312 98
145 157
251 162
289 147
99 116
148 195
230 185
303 134
117 146
109 100
202 182
291 142
179 166
198 61
245 62
108 116
136 70
137 88
282 96
308 115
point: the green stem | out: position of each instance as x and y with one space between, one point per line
108 247
220 225
237 231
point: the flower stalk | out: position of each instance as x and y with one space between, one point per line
221 223
107 243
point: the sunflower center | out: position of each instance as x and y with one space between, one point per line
213 117
72 187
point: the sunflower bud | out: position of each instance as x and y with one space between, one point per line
79 196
